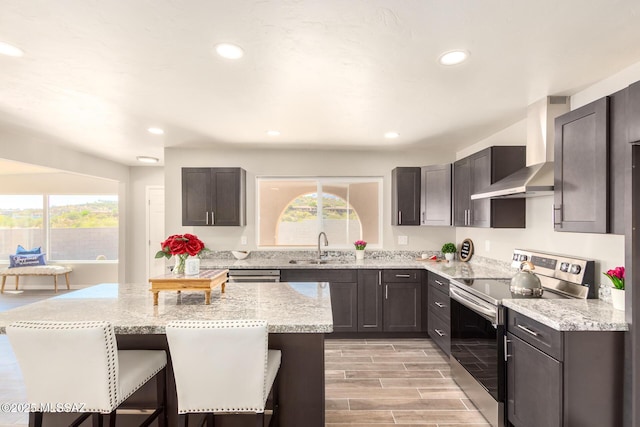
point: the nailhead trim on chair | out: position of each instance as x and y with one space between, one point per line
110 350
224 324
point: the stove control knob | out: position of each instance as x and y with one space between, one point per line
523 257
515 257
564 267
575 269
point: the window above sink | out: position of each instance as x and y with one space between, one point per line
293 210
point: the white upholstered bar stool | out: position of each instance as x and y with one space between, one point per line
223 367
78 366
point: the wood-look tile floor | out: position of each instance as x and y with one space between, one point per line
380 383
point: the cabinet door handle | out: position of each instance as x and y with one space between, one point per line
466 217
379 277
470 220
439 332
439 283
506 351
439 304
399 217
207 218
557 210
527 330
423 217
403 276
213 218
386 291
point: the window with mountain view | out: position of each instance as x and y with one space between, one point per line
293 211
21 223
83 227
67 227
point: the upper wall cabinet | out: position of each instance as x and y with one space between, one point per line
581 197
633 112
476 172
435 198
213 196
405 196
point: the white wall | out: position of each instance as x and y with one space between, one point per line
298 163
140 178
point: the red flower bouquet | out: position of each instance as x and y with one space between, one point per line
182 246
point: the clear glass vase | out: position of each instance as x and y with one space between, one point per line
178 268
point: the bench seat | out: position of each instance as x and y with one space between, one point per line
36 270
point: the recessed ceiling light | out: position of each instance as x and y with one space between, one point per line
156 131
10 50
273 133
453 57
229 51
147 159
391 135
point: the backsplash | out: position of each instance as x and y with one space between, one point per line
350 255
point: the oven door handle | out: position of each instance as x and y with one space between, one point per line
473 304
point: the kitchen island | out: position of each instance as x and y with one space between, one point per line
298 314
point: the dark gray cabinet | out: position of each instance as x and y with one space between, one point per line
213 196
344 293
552 376
581 186
435 198
530 389
389 300
633 111
405 196
369 300
438 311
476 172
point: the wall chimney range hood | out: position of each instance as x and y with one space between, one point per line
536 179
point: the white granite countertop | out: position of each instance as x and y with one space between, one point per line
571 314
287 307
449 270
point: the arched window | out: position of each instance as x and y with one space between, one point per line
291 212
298 223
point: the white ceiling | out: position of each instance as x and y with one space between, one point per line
326 73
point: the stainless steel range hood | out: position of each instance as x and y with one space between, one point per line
536 179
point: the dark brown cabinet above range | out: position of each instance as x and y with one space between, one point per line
591 152
214 196
582 169
476 172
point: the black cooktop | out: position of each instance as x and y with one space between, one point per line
495 290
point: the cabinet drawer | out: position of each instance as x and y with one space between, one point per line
319 275
438 282
439 303
440 333
401 276
540 336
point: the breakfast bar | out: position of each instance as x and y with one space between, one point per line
298 315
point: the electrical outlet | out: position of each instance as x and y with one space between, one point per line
403 240
243 240
487 245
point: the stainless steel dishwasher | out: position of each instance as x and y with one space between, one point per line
246 276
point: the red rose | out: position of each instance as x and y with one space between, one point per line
178 246
194 245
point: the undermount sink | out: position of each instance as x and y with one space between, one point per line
315 261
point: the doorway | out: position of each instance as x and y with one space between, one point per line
155 230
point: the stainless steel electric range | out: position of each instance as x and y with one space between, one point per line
477 323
